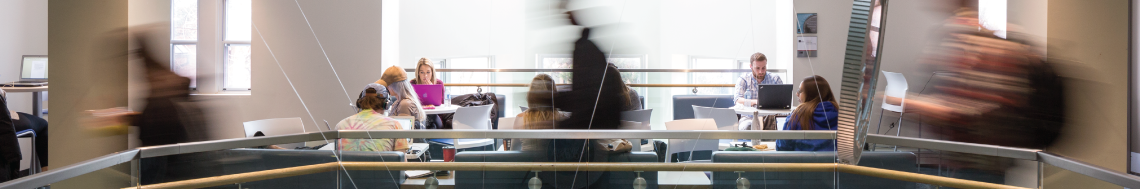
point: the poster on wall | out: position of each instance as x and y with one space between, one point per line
806 22
807 46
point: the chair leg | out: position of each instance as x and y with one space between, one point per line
877 128
899 125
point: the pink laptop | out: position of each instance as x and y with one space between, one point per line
430 94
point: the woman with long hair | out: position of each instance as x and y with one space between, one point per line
540 113
371 105
425 73
817 111
407 103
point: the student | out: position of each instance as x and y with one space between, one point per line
9 148
407 103
633 100
425 75
748 85
370 117
817 111
540 114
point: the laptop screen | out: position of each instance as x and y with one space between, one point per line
35 67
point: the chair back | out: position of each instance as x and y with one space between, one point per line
640 116
523 108
725 117
473 117
896 87
507 123
683 104
276 126
405 122
691 145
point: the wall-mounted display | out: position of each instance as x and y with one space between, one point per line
806 22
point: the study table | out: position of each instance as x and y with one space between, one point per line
37 97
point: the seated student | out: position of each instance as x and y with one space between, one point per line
371 104
817 111
633 101
407 103
748 85
425 75
540 114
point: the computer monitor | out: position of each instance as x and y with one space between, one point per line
34 68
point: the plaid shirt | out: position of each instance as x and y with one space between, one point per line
747 86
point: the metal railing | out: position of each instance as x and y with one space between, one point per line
106 161
620 70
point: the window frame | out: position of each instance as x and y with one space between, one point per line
445 63
175 42
225 45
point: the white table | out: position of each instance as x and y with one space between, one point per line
37 97
763 112
442 110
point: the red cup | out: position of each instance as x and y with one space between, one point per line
448 153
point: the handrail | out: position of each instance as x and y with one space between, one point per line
1107 175
561 166
620 70
102 162
630 85
70 171
972 148
183 148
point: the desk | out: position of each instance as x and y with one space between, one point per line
464 143
763 112
442 110
37 97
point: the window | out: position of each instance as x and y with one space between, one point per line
236 74
184 39
235 44
481 62
622 61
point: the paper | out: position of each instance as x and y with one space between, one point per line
39 69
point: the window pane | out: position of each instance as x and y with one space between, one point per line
238 19
714 78
468 77
237 67
184 19
183 62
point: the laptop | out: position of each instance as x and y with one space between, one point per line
430 94
33 72
775 96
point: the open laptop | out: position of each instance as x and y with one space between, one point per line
774 96
430 94
33 72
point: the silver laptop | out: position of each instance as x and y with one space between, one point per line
33 71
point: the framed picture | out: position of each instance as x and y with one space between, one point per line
806 22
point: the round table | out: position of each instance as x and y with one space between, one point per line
37 97
441 110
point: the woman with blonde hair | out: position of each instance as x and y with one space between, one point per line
425 73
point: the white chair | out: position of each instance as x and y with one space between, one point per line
725 117
896 87
507 123
640 116
275 127
473 117
690 145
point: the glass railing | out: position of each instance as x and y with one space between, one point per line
486 159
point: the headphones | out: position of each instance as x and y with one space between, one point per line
381 92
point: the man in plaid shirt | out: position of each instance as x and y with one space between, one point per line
747 85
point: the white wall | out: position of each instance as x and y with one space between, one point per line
516 31
25 32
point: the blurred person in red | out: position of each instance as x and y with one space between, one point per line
988 90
